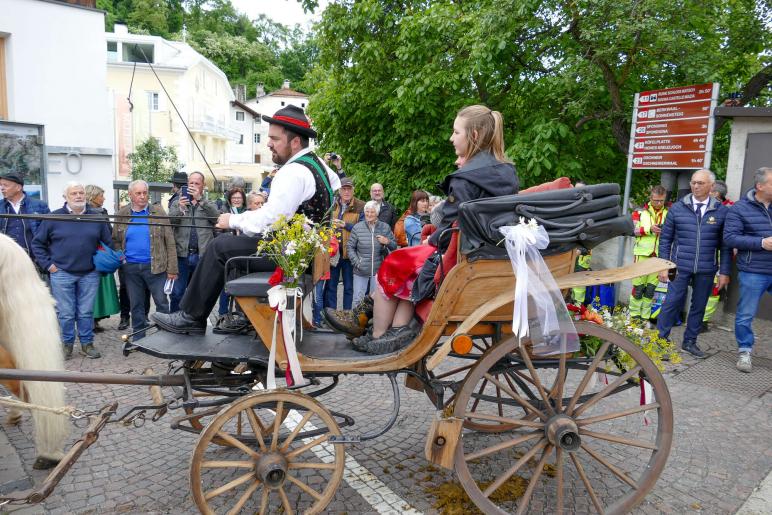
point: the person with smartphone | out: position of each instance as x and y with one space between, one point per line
191 208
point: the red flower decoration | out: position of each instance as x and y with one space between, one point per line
277 277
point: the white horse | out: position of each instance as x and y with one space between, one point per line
29 339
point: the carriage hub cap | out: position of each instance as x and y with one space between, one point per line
561 431
271 469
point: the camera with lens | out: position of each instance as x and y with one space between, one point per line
333 156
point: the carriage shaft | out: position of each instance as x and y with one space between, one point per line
89 377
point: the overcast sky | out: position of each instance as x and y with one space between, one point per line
286 12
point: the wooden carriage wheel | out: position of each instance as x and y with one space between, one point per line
596 426
238 427
493 398
282 471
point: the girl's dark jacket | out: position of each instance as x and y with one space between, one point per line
481 177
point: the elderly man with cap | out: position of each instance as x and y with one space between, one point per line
348 211
303 184
16 202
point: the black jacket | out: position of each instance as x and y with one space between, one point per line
483 176
388 214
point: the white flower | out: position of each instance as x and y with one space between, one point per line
533 224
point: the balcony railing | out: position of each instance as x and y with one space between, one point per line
213 127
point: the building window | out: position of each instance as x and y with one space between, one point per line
282 104
241 139
257 138
257 158
303 105
136 53
239 116
152 101
112 51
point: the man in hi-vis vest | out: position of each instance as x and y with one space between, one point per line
648 224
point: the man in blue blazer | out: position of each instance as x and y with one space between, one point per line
692 237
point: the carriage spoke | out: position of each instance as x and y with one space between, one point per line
479 393
257 427
285 501
536 381
617 414
607 390
237 443
527 405
559 479
559 384
295 431
309 465
228 464
244 498
503 445
522 461
587 485
264 501
617 472
498 397
522 376
523 504
309 445
506 420
587 375
230 485
277 425
238 424
454 371
618 439
307 489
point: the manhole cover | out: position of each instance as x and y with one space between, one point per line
718 371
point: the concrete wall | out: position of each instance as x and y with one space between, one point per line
741 127
55 65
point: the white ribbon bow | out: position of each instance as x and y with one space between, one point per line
277 299
539 310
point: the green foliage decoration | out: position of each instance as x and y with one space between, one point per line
153 162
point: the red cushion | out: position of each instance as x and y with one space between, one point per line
560 183
427 231
423 308
449 258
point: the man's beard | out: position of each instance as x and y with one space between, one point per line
279 159
77 206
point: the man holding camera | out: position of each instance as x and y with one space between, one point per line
335 163
191 208
648 226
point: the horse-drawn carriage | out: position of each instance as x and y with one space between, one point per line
520 430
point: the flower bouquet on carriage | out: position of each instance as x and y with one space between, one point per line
296 245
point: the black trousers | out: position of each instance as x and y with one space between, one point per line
208 280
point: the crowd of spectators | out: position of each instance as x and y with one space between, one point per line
703 233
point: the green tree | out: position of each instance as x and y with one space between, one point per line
391 75
153 162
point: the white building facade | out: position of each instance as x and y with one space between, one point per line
267 104
52 73
144 97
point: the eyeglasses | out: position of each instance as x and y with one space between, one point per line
698 183
657 201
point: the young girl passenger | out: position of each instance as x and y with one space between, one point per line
478 141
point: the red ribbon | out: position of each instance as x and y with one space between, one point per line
293 121
276 278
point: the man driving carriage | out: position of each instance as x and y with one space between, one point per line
303 184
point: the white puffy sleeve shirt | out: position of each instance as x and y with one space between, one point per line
292 185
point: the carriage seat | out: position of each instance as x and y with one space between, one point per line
256 285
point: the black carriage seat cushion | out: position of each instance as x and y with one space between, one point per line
584 216
256 285
250 285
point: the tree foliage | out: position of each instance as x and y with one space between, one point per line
391 75
153 162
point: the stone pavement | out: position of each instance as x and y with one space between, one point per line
721 451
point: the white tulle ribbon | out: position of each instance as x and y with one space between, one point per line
277 299
539 309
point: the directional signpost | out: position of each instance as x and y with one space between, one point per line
672 130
